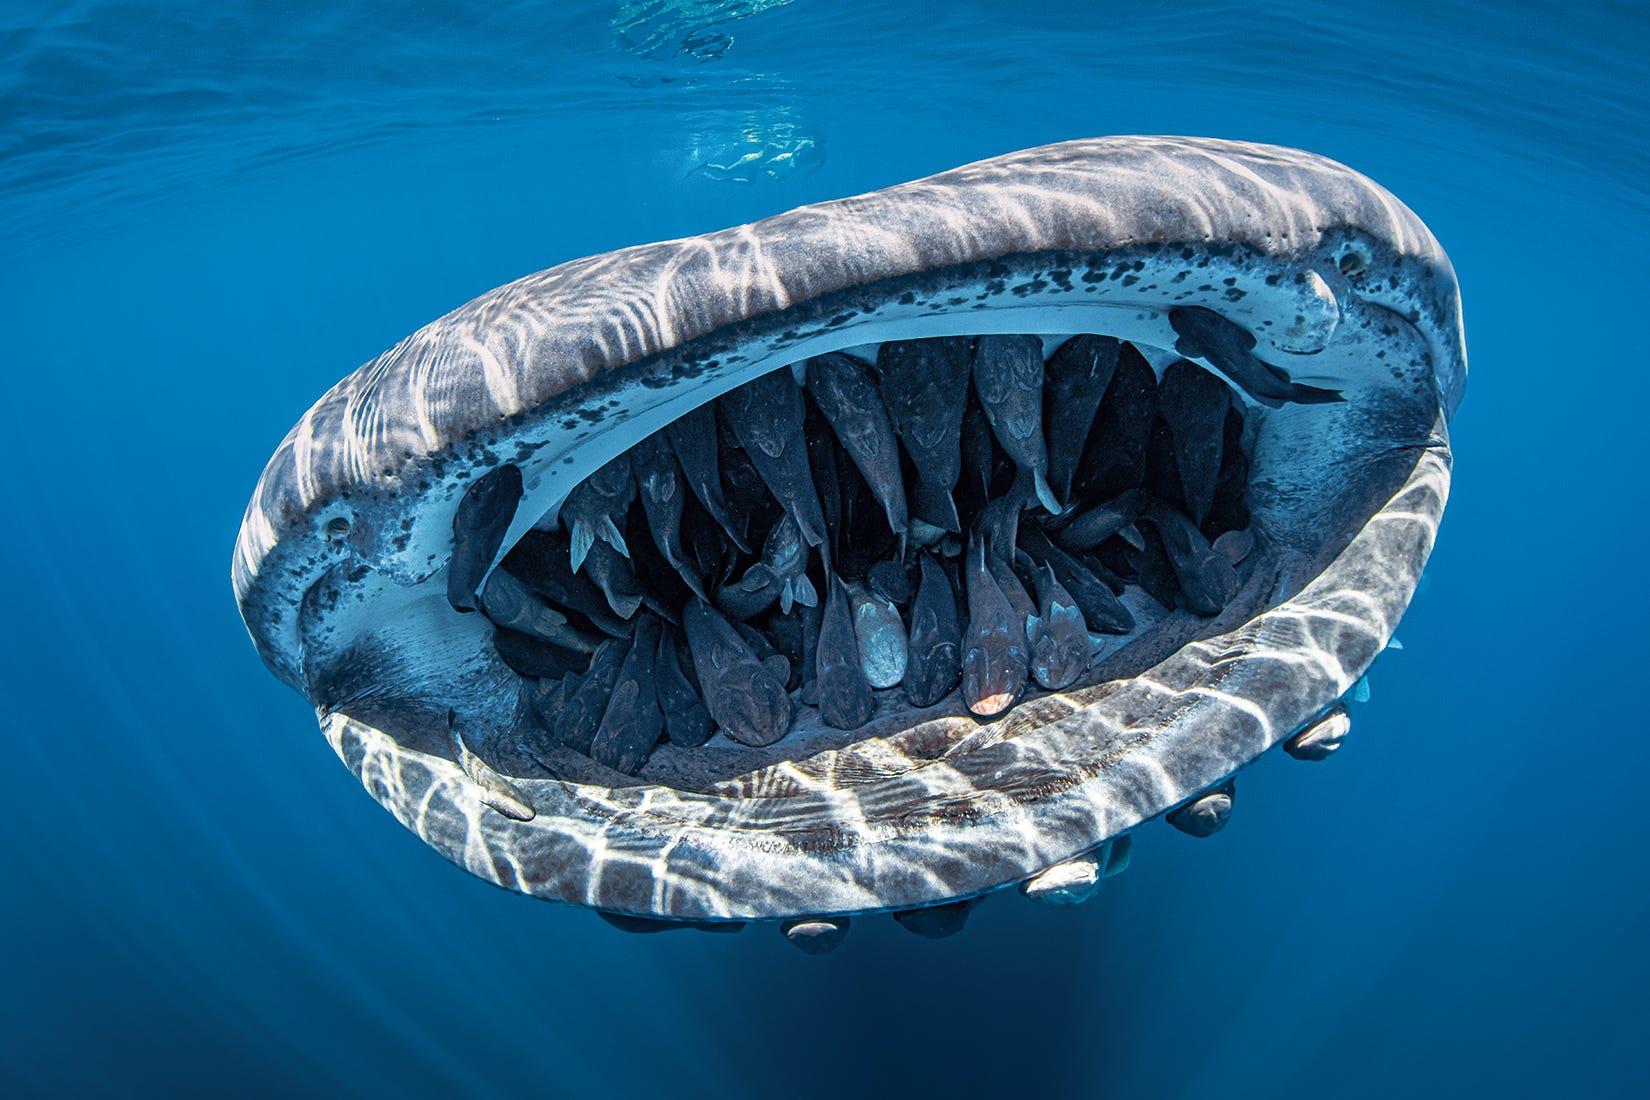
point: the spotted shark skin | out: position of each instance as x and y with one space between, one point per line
340 565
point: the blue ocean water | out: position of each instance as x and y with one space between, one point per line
210 212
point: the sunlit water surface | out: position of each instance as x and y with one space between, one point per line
210 212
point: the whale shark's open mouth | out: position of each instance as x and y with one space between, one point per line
952 518
881 554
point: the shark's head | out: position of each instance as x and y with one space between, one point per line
1309 304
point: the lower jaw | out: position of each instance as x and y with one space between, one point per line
917 807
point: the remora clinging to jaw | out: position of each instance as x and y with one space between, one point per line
994 643
659 481
742 696
924 387
1008 376
478 531
848 397
693 438
779 577
1078 373
345 552
935 638
766 415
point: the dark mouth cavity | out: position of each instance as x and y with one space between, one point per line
959 518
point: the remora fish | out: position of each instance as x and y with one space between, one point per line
687 722
1091 527
1102 610
1114 459
935 640
632 723
1076 377
1008 376
844 694
1013 589
822 464
994 658
781 576
659 480
613 574
1057 635
581 716
479 524
746 701
766 415
595 508
924 386
508 603
880 635
1193 403
542 562
843 389
1205 334
693 438
1207 579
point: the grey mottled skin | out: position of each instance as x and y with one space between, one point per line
560 371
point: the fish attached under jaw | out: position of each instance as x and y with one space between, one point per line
882 555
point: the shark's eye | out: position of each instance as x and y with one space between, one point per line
882 554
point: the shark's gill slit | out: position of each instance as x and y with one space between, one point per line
882 554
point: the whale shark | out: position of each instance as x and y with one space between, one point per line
1299 311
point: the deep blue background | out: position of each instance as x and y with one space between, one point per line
210 213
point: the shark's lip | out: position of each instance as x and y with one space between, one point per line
352 516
